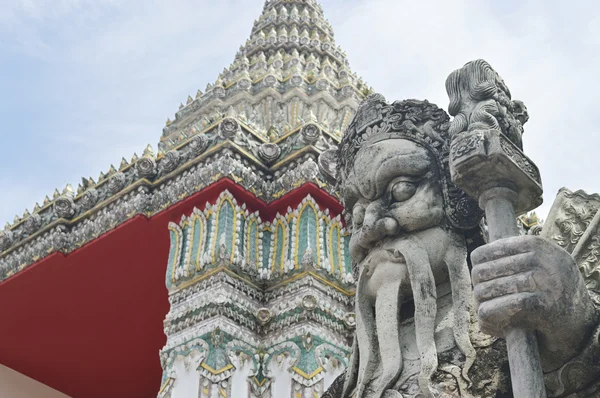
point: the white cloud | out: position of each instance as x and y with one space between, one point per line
112 71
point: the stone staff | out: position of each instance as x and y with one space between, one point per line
487 162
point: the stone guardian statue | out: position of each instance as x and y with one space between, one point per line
431 308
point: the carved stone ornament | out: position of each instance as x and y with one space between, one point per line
32 223
504 161
270 80
347 91
263 316
269 152
296 81
218 91
480 100
170 161
328 165
244 84
574 224
322 84
116 182
220 299
350 320
487 146
311 133
278 64
146 166
309 302
89 198
229 128
198 144
64 206
6 239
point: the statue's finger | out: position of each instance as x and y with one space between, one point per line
509 311
502 248
489 328
505 286
504 266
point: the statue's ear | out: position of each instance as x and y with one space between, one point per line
329 166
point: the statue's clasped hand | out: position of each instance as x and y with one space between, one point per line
530 282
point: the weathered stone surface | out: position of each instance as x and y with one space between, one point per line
421 329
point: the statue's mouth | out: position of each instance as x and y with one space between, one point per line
394 256
384 252
384 260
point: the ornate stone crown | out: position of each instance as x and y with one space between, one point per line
418 121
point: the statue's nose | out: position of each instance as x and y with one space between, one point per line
376 226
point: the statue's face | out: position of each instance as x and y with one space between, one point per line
392 191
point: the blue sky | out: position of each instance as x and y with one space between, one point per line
86 82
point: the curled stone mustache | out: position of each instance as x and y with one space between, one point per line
408 252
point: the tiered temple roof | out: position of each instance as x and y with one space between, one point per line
288 95
291 53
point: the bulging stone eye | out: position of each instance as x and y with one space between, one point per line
403 190
358 215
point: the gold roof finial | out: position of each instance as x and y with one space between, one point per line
68 190
148 151
231 112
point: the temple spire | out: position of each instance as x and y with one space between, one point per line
291 48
